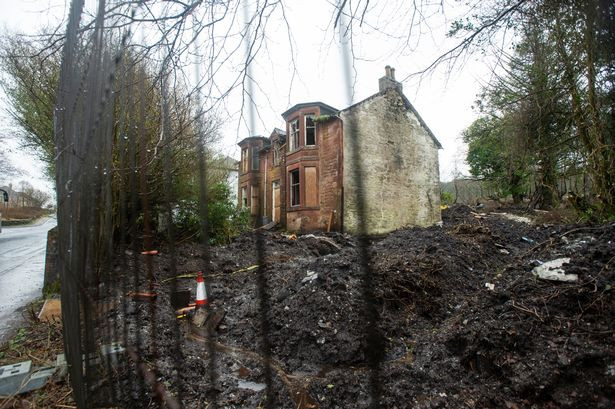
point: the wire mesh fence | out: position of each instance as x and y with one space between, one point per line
116 134
178 291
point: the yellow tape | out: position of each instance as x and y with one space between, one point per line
255 266
193 275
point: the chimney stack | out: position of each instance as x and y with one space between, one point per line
388 81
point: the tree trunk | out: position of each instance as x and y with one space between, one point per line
588 123
603 157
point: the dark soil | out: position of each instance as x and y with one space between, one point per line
449 341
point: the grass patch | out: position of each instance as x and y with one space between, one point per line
52 290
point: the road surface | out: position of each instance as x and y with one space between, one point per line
22 264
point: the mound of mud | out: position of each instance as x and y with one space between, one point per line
464 321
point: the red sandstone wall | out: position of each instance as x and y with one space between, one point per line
330 178
302 218
251 177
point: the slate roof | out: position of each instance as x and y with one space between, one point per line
257 137
324 108
279 131
329 110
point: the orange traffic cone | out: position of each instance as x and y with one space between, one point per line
201 293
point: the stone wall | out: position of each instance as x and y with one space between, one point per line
398 166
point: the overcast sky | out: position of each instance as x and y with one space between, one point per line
24 16
443 99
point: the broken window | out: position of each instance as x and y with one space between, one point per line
255 163
294 135
294 187
254 202
276 155
244 160
311 186
244 197
310 130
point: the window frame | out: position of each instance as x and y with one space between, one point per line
244 160
294 194
255 158
293 137
305 129
244 197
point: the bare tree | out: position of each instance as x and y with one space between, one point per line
7 169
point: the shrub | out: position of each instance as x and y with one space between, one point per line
20 213
225 220
446 198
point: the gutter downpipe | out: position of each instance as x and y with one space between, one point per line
265 193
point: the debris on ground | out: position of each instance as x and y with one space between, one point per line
51 310
464 320
552 270
145 296
514 217
40 343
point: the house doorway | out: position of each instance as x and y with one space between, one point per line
275 200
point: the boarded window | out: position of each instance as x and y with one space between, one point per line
275 192
311 187
254 202
294 187
294 135
255 157
310 130
244 197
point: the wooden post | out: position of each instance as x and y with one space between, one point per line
330 221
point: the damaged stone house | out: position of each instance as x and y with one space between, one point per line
303 177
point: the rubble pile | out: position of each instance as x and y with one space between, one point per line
464 320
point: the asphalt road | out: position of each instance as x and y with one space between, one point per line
22 264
